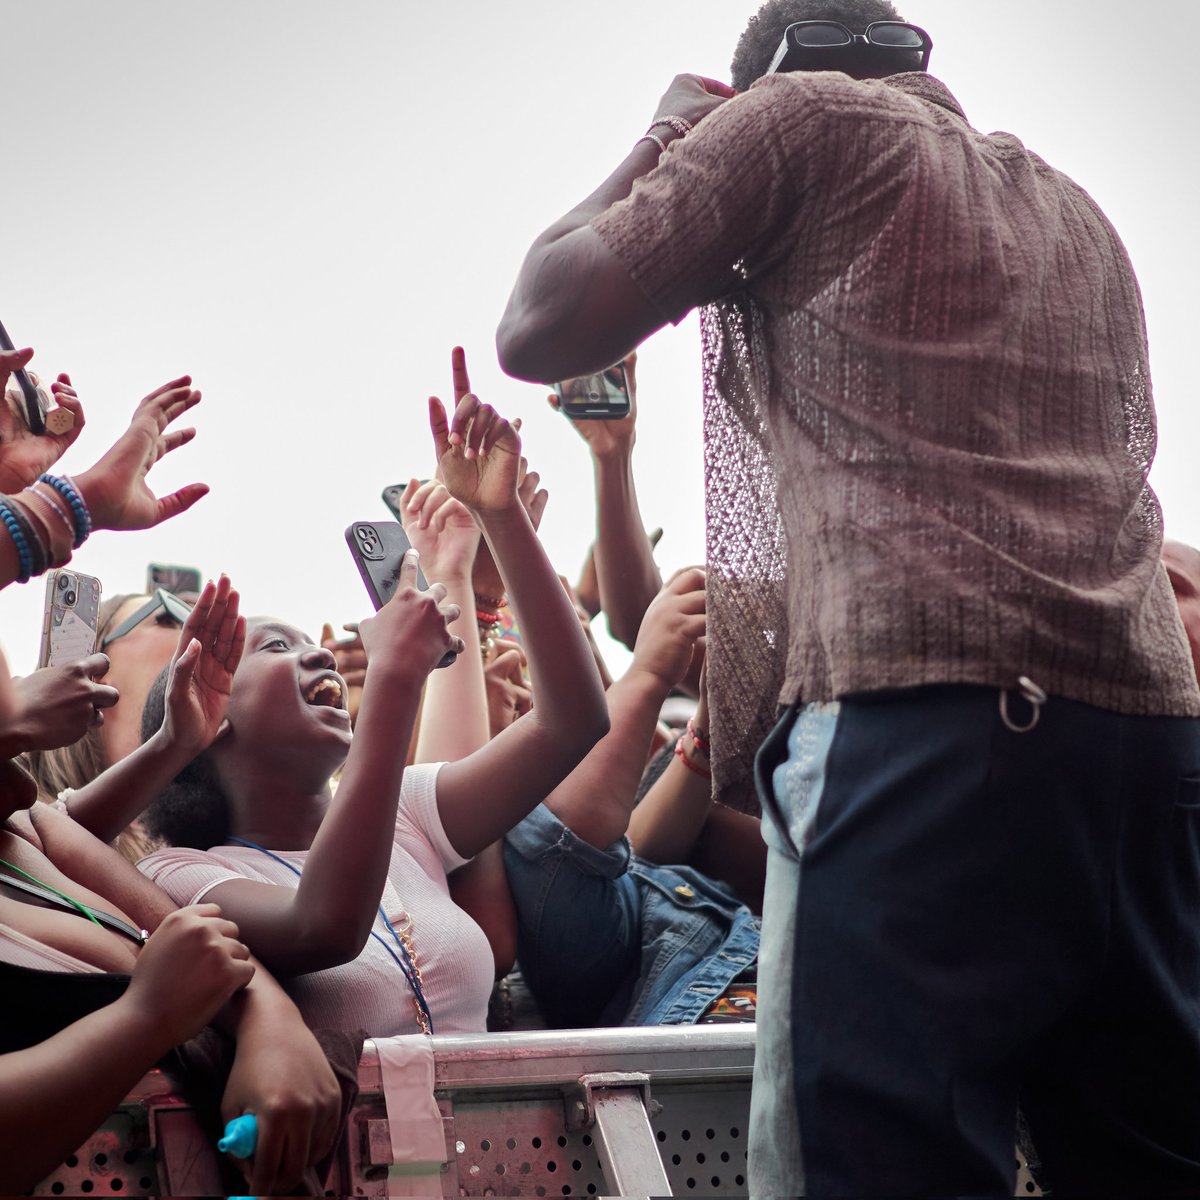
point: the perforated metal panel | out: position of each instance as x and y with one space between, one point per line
514 1115
116 1160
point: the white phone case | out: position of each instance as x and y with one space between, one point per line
69 629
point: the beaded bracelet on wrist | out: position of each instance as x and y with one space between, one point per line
68 491
25 559
492 603
53 541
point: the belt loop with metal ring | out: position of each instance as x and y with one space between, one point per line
1035 697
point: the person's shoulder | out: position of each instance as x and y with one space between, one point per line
821 104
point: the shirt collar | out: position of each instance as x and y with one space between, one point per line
926 87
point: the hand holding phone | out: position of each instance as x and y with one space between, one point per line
35 406
61 703
70 618
602 397
378 549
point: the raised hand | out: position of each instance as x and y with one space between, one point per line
115 489
410 631
693 97
609 438
201 673
23 455
440 528
673 624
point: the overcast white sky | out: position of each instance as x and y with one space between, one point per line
306 204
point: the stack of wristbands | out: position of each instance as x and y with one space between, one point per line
38 522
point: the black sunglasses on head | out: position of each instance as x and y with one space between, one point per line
824 45
164 606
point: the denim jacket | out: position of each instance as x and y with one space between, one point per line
607 938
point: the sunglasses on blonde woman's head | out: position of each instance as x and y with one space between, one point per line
165 607
824 45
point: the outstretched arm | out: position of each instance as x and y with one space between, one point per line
114 490
479 460
596 799
627 576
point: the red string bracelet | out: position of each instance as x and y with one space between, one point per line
695 768
699 738
487 618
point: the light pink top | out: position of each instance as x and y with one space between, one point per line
370 993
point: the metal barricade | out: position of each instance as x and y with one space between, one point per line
650 1111
566 1113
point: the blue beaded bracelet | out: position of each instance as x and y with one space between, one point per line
83 519
24 556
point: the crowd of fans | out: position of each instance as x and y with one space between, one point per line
219 822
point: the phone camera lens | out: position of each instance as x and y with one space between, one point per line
69 598
64 582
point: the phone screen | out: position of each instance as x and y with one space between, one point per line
595 397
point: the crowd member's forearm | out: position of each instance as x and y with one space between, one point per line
354 843
595 801
482 797
125 790
454 714
626 572
55 1094
665 826
568 696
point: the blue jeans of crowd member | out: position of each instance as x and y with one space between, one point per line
606 938
960 918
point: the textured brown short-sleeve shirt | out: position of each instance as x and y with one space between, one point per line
928 412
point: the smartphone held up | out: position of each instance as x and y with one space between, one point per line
378 548
602 397
71 617
31 402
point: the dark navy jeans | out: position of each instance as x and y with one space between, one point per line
976 918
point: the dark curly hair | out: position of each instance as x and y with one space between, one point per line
757 45
192 810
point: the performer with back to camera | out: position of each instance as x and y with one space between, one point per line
931 543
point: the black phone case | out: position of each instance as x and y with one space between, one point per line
35 412
378 548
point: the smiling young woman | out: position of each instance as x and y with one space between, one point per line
345 891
